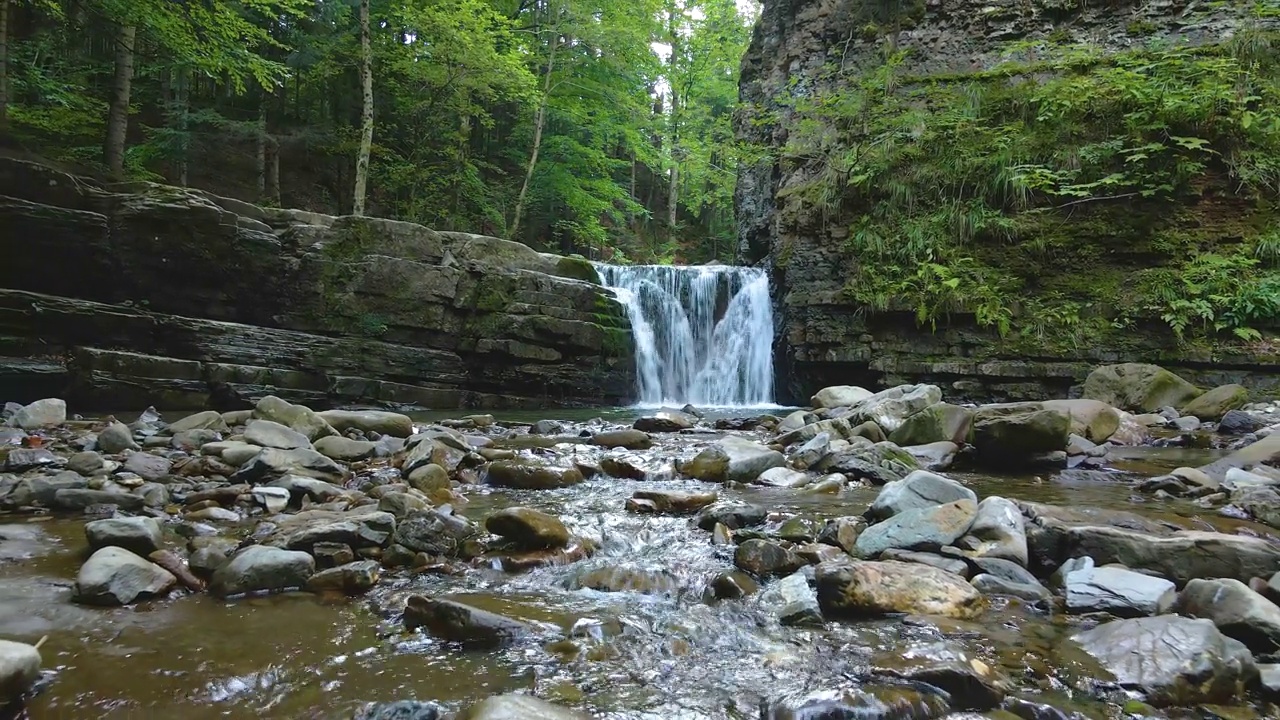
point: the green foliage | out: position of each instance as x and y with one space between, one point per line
967 193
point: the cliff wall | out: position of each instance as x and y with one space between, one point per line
999 195
127 295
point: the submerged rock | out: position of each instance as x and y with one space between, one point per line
862 703
400 710
115 576
1174 660
519 707
878 588
460 623
672 502
733 515
792 601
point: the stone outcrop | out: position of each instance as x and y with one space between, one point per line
136 294
804 48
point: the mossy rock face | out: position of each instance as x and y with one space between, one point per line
577 268
1138 387
1217 402
938 422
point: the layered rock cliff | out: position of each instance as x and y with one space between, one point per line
999 195
128 295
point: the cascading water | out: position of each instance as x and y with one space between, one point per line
703 335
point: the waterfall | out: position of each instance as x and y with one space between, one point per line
703 335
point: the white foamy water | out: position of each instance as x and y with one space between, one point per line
703 335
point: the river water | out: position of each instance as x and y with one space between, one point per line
659 651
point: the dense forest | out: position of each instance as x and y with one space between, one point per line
600 127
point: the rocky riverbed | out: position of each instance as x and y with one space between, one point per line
878 555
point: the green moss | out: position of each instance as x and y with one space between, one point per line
617 342
578 268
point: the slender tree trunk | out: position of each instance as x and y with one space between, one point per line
538 122
273 173
118 116
673 196
366 113
183 101
4 64
673 190
260 146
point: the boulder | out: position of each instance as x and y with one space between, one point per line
401 504
259 568
401 710
207 420
116 437
1235 609
363 527
670 502
428 477
1138 387
879 588
1180 557
439 448
1018 433
782 477
796 420
1236 422
273 462
379 421
147 466
71 498
792 601
940 422
267 433
934 457
839 396
519 707
350 579
764 558
1176 661
139 535
890 408
22 459
528 528
50 412
630 439
435 532
1116 590
115 576
664 421
812 451
998 531
1217 402
989 584
920 489
528 476
732 459
1091 419
733 515
86 463
342 448
1264 451
927 528
456 622
298 417
19 669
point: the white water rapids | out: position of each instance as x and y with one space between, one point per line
703 335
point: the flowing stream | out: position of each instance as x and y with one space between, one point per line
703 334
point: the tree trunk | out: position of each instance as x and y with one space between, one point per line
183 101
366 113
118 116
260 146
538 122
4 64
673 196
273 173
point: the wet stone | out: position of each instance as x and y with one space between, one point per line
878 588
19 668
260 568
115 576
461 623
1235 609
629 439
732 515
20 459
666 421
792 601
629 467
329 554
528 528
918 529
79 499
766 559
954 566
519 707
920 489
843 533
995 585
85 463
672 502
1119 591
351 578
140 535
400 710
733 585
867 702
523 476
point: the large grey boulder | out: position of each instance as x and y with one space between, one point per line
1217 402
1235 609
1018 433
792 601
379 421
435 532
940 422
929 528
1138 387
19 668
207 420
1093 420
298 417
920 489
116 437
1180 557
528 528
839 396
890 408
46 413
115 576
267 433
732 459
519 707
343 448
147 466
879 588
274 462
1174 660
262 568
998 531
461 623
1119 591
140 535
530 476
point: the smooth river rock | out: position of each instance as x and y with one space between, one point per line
298 417
519 707
920 489
262 568
115 576
379 421
927 528
732 459
998 531
140 535
19 668
1174 660
1119 591
267 433
528 476
116 437
528 528
40 414
878 588
461 623
1235 609
270 462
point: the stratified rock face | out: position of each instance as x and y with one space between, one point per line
208 293
802 49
